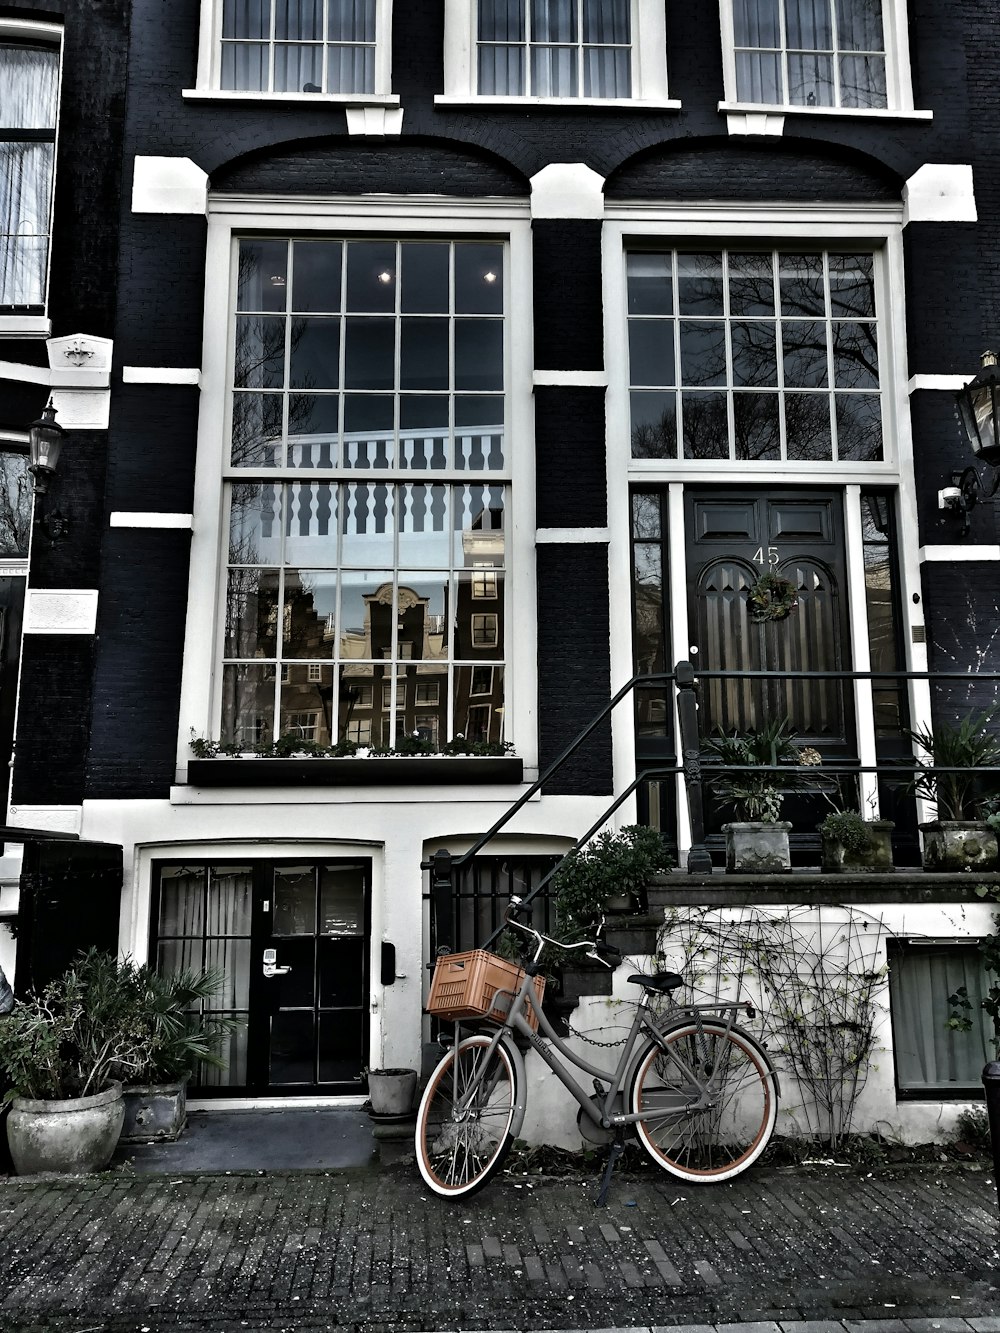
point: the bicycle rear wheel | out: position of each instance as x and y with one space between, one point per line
722 1139
462 1146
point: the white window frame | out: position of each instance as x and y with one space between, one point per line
429 218
209 74
649 62
13 31
899 85
878 227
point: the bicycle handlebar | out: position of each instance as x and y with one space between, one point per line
597 949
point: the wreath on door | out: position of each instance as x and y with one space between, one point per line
772 597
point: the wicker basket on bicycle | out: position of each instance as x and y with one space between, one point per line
478 984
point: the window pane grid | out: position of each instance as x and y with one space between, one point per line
299 46
824 53
788 372
29 77
403 388
555 48
350 600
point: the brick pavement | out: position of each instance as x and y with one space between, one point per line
371 1250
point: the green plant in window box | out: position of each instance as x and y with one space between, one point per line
612 865
292 746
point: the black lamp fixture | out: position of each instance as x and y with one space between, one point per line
45 441
979 412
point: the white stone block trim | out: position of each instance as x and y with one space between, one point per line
169 185
376 121
54 818
567 190
940 192
120 518
596 379
573 536
61 611
755 122
966 553
82 409
161 375
942 383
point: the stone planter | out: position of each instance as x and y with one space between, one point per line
959 845
68 1137
757 849
391 1091
877 856
156 1113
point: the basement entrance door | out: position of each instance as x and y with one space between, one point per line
290 941
732 538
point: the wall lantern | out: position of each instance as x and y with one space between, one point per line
45 439
979 412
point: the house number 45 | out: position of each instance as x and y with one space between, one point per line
769 558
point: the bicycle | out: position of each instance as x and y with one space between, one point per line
701 1096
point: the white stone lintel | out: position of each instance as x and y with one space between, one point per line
573 536
940 192
939 383
61 611
584 379
755 122
120 518
966 553
567 190
161 375
52 818
375 121
169 185
82 409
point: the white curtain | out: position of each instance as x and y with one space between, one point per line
928 1054
25 199
306 34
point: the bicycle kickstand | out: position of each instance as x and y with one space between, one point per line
617 1148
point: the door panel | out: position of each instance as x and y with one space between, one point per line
292 941
731 542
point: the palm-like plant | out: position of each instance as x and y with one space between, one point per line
968 746
757 797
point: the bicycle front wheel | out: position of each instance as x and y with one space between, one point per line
709 1099
461 1141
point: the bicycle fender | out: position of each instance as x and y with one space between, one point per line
520 1086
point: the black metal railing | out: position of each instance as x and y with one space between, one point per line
684 679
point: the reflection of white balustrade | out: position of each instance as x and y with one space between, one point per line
479 450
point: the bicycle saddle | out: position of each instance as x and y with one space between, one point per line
659 981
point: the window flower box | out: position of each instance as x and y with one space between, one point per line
407 770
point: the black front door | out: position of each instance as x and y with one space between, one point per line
290 943
733 537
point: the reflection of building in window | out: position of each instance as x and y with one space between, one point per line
479 723
359 730
302 725
482 680
484 584
427 693
484 631
315 672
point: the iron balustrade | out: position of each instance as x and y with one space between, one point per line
443 865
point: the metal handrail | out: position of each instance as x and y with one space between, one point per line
686 678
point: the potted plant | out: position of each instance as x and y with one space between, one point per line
65 1052
391 1093
960 837
757 840
851 843
178 1039
609 874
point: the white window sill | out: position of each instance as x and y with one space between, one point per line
567 103
25 326
877 113
327 99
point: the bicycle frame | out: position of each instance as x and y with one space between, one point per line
547 1043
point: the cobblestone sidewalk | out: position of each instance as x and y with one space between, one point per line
372 1250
